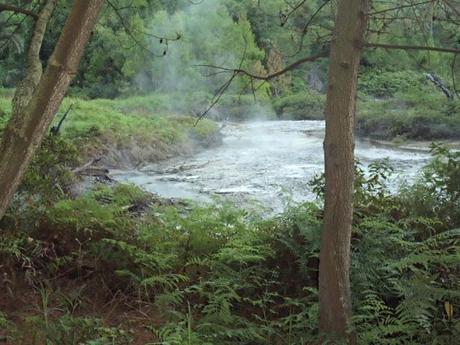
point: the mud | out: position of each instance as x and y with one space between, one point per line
262 164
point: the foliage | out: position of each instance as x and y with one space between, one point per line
143 127
388 83
305 105
48 179
219 275
72 330
436 194
419 114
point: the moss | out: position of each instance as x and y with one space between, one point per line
5 110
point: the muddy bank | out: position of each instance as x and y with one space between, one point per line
102 163
414 146
133 154
261 164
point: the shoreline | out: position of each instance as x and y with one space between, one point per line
412 145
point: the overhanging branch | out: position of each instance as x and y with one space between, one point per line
234 72
294 65
11 8
409 47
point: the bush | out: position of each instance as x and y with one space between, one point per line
48 179
388 83
418 115
308 105
244 107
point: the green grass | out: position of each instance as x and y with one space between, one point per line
416 115
118 123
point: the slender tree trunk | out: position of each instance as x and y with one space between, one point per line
26 87
31 119
334 278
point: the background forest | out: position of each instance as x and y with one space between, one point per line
87 260
155 49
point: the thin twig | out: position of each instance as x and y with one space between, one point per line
409 47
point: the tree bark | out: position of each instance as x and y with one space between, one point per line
26 87
30 121
334 278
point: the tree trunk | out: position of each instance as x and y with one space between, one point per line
334 278
30 120
26 87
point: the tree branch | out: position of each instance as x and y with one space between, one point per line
26 87
163 40
5 7
400 7
294 65
239 71
409 47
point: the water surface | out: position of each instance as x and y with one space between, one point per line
268 163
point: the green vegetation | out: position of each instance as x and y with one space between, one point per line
401 104
418 115
301 106
138 125
396 101
89 263
119 266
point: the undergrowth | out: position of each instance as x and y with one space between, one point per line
119 266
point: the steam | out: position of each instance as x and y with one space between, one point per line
209 36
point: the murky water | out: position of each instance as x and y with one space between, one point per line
266 163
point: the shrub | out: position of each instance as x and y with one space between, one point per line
306 105
388 83
416 114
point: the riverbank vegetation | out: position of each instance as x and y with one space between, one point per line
128 131
396 100
392 105
120 266
98 262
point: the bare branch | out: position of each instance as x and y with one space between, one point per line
452 7
307 26
284 17
409 47
400 7
11 8
137 41
239 71
217 96
454 83
294 65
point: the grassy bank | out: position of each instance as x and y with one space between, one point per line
403 116
118 266
127 131
415 116
398 105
